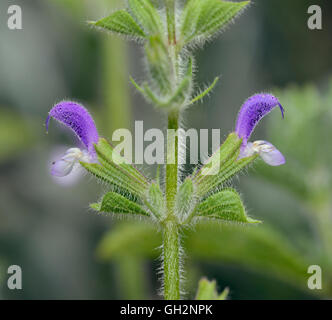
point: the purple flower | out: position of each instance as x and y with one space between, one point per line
252 111
78 119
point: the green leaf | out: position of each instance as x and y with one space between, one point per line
159 64
207 290
225 205
205 92
156 201
147 16
189 19
185 200
120 22
202 19
215 14
115 203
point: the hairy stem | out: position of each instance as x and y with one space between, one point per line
171 241
172 48
172 160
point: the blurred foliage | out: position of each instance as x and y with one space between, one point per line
16 134
285 50
207 290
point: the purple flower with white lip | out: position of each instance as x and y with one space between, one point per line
252 111
78 119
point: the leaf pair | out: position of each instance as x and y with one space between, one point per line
202 19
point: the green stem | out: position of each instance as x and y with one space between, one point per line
172 154
171 237
171 241
172 48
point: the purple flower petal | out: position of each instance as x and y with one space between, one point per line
252 111
77 118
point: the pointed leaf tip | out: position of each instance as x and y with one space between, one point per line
120 22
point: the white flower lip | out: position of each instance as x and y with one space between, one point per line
68 162
268 152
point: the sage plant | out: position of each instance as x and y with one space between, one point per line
169 32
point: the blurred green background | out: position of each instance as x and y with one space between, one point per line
68 252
